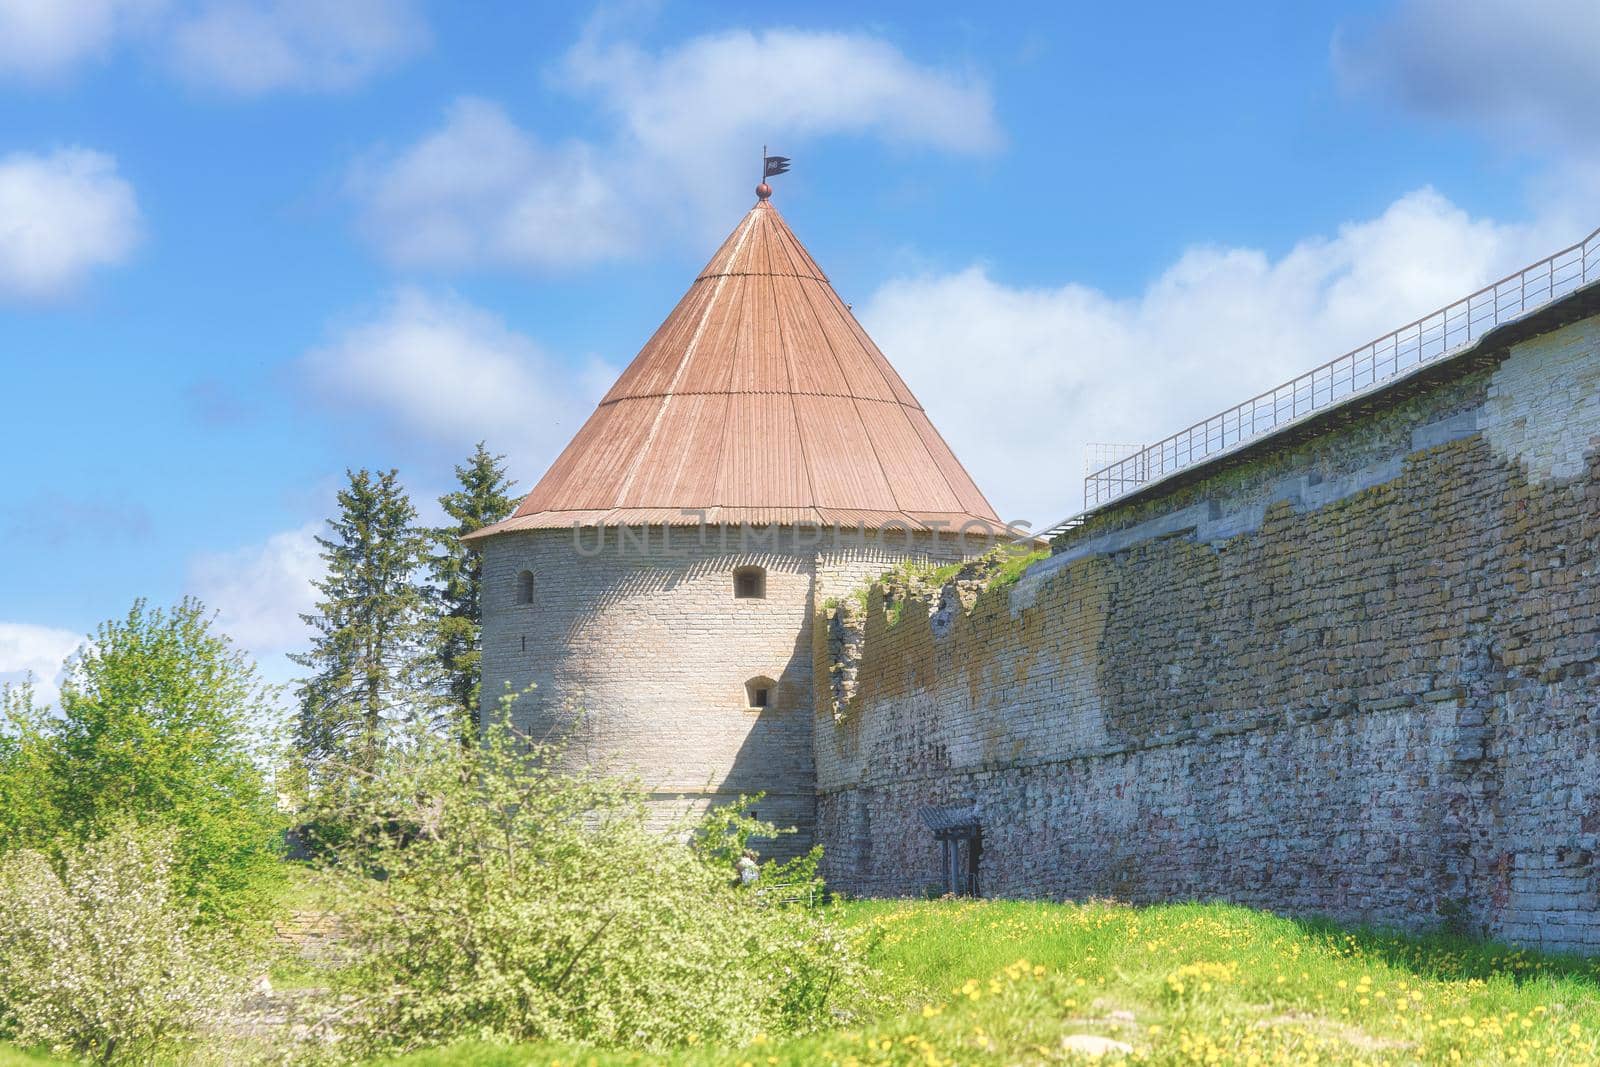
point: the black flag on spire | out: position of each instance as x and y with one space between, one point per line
774 165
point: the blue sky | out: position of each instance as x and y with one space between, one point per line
246 244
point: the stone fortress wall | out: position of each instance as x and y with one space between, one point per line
1352 669
640 652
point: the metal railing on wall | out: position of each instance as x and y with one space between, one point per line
1431 337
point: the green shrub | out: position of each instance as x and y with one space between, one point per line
493 897
158 722
729 831
98 960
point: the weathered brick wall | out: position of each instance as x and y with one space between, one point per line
1354 674
640 652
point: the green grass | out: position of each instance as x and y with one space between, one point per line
1008 566
1011 570
300 894
1000 568
299 889
937 576
992 983
10 1056
987 982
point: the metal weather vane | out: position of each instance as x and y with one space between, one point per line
770 166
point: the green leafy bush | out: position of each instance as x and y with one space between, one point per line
159 721
728 831
98 960
494 897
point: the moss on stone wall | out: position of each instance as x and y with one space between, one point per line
1359 676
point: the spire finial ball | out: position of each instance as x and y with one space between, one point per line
763 191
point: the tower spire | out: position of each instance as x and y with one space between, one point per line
759 400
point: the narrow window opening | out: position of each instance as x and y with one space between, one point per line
750 583
525 587
524 642
758 693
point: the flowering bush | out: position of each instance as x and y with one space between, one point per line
494 897
96 958
727 833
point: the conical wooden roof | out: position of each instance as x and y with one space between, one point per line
759 400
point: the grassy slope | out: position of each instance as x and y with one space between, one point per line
1181 984
1001 983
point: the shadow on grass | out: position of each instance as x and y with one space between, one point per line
1448 956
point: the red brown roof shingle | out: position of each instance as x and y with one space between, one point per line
759 400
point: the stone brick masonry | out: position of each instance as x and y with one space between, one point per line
640 652
1352 671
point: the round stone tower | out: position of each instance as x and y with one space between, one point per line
758 457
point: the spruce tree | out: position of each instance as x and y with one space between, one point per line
369 660
484 498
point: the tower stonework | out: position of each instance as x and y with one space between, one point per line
657 587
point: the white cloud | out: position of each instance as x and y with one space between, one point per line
61 215
36 652
710 98
257 46
1525 69
1021 379
454 373
260 591
481 190
45 38
239 46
